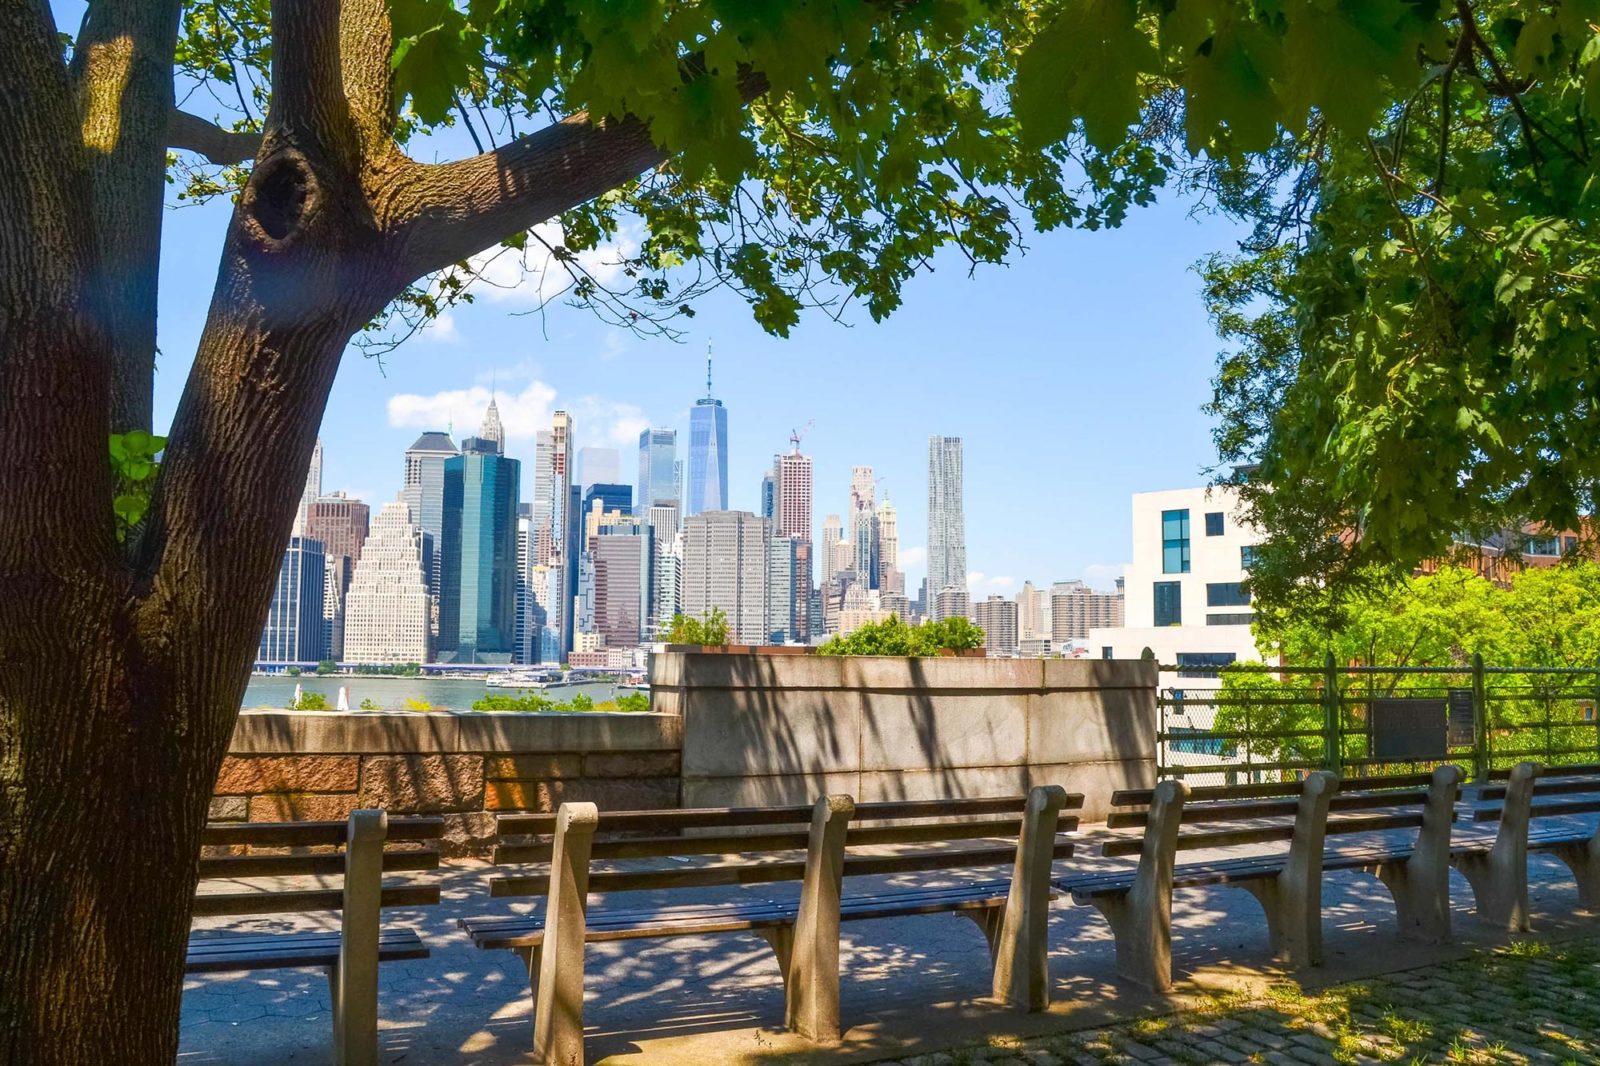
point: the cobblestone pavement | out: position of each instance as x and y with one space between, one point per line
1526 1003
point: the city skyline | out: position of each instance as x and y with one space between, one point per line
1046 368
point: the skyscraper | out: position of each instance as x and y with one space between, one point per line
862 488
340 523
890 579
769 493
708 454
834 554
478 594
784 607
621 598
658 483
424 494
947 524
793 520
386 610
725 567
612 497
491 428
295 632
309 494
997 617
554 519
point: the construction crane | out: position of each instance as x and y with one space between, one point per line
796 434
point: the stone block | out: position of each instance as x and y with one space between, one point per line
228 809
942 674
1093 725
501 732
468 834
800 731
968 782
1099 674
772 790
938 730
532 767
1095 780
356 732
617 794
303 807
287 773
422 784
630 764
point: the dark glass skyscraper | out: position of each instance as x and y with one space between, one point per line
294 632
478 594
658 482
708 454
611 497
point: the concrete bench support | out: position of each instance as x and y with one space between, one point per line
1141 920
1499 876
1420 883
1292 901
808 952
557 969
353 980
1021 944
1583 859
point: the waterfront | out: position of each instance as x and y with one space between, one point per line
391 693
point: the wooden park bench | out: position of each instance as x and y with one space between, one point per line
355 851
1137 901
816 845
1498 871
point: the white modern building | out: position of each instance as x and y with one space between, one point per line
947 529
387 609
1183 595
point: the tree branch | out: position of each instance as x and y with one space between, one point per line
192 133
455 210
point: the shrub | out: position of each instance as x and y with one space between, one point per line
327 666
499 701
710 631
311 701
893 637
418 705
631 701
369 704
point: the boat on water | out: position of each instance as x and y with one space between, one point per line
529 679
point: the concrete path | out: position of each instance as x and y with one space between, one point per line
912 985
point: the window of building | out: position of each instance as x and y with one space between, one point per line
1226 594
1213 523
1247 556
1169 603
1175 541
1542 546
1230 618
1203 663
1569 544
1193 741
1105 652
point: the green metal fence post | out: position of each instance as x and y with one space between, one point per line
1332 750
1480 721
1597 707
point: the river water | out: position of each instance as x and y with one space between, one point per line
391 693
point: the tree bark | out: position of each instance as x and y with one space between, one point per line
122 670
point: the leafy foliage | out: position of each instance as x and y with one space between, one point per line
370 704
710 631
581 703
311 701
135 460
893 637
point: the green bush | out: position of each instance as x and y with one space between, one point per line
499 701
327 666
631 701
580 703
369 704
711 631
418 705
311 701
893 637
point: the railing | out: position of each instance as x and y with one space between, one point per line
1252 722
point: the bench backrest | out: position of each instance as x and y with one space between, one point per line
1547 781
359 849
1277 809
757 845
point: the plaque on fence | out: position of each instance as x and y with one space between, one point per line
1462 733
1407 730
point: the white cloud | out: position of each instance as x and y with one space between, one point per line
523 413
534 276
600 420
1103 575
441 330
913 557
978 581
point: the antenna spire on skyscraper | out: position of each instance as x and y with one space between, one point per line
708 370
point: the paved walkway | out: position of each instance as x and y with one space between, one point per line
909 985
1531 1002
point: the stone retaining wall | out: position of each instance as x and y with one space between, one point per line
466 766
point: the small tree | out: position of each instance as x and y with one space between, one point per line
326 667
311 701
893 637
710 631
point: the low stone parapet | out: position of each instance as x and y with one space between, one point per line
466 766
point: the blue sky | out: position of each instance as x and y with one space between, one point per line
1075 376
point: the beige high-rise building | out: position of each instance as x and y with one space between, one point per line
1075 608
997 617
725 567
1030 613
386 609
890 580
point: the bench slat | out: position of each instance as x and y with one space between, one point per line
326 865
765 872
789 840
1235 811
726 817
1554 786
1220 838
214 904
1541 810
311 834
290 950
1141 797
